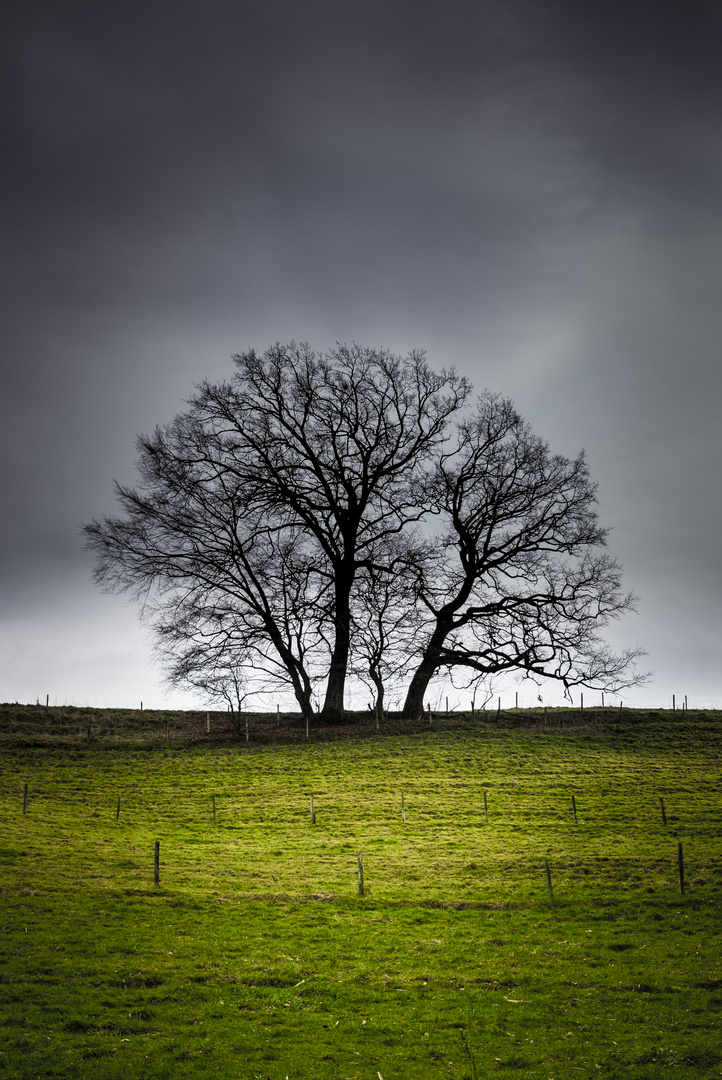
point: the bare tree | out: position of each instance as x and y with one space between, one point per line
208 565
522 580
263 501
315 516
335 447
387 619
217 673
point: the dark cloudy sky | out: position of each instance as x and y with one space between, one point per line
531 191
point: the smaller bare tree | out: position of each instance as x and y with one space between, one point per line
206 659
226 681
387 618
522 581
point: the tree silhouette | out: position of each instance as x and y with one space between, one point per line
522 580
304 461
320 515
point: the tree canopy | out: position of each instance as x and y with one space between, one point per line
354 514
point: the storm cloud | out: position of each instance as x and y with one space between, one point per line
529 191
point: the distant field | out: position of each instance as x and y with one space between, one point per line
256 958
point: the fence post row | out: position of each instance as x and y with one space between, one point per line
680 854
360 870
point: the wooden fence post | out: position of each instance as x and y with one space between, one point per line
574 808
486 809
403 808
313 812
25 799
664 816
117 811
157 863
361 873
549 879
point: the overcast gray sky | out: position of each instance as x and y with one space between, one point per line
529 191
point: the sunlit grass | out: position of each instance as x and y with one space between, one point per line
255 957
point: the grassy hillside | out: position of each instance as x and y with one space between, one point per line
255 956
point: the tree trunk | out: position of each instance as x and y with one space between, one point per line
333 710
414 703
378 683
299 676
333 703
302 692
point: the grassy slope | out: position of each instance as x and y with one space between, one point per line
255 958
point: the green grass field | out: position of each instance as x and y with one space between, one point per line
256 958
